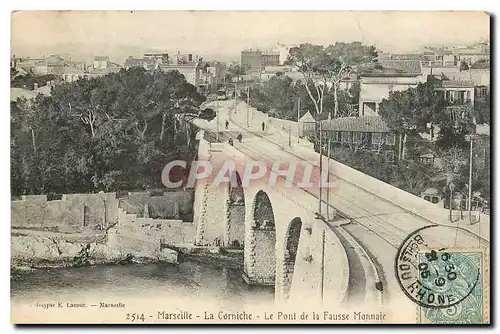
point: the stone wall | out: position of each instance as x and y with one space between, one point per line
143 236
74 212
284 125
170 205
236 224
210 207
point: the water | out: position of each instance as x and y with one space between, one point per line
191 280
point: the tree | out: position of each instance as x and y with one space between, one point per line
464 66
237 71
482 109
454 161
343 60
325 68
311 61
111 132
409 111
412 177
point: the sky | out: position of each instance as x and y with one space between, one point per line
225 33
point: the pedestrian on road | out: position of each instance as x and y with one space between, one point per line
240 137
227 124
263 126
231 142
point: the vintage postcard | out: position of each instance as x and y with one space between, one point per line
243 167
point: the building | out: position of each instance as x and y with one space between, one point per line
183 59
100 62
348 82
252 59
157 57
284 51
73 73
147 64
102 66
480 73
459 94
384 77
216 72
366 132
270 58
192 72
307 124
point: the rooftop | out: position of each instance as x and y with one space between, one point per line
391 67
307 118
356 124
480 65
457 83
101 58
132 62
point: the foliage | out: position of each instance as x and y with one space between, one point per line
108 133
453 169
453 135
410 110
482 109
324 68
29 80
237 71
280 96
406 175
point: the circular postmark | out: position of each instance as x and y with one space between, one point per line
433 275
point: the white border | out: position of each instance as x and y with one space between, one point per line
8 6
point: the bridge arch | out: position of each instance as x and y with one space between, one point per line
260 243
234 227
292 237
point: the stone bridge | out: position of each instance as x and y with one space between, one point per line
346 259
280 235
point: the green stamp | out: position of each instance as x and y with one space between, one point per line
456 279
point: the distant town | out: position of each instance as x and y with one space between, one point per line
460 76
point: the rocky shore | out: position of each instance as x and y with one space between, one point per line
32 250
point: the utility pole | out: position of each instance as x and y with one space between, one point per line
320 163
327 181
217 118
298 118
248 105
290 136
469 204
235 95
322 263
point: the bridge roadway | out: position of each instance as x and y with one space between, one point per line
376 225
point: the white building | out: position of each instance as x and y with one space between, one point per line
387 76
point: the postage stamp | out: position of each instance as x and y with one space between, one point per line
456 275
448 284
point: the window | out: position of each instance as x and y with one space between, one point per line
390 139
356 137
346 137
376 138
335 136
390 156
